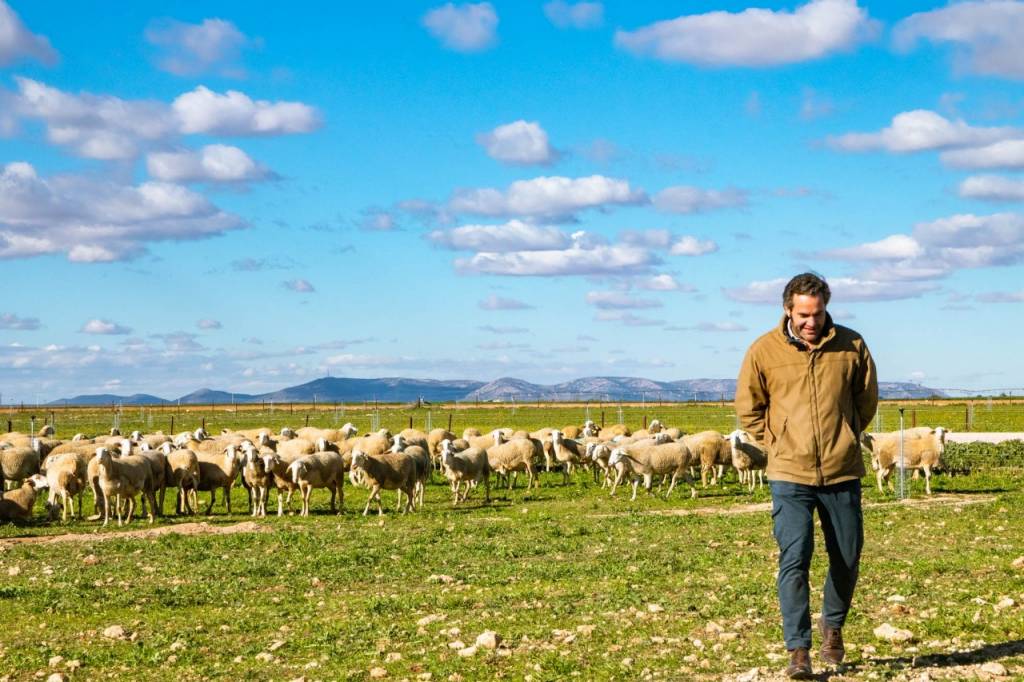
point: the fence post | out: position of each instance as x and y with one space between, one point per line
602 419
410 422
645 421
307 420
204 423
967 417
449 422
10 426
172 424
913 417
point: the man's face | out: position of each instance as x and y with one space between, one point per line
807 317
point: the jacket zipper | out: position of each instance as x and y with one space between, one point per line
815 417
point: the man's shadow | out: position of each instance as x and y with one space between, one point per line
989 652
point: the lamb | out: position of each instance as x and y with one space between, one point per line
515 456
388 471
18 462
924 453
16 505
123 477
424 466
278 465
182 471
258 477
158 466
67 477
599 453
713 451
748 458
218 471
469 466
567 451
319 470
671 458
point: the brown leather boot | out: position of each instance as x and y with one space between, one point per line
799 665
832 649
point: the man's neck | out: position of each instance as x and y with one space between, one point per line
794 336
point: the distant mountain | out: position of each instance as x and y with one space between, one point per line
206 396
400 390
108 399
387 389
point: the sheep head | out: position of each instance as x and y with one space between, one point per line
136 435
38 481
286 432
295 470
399 443
349 430
166 448
591 447
358 459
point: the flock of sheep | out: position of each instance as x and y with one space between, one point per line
119 469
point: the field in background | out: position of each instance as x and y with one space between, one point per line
982 415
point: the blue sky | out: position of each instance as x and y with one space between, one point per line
211 196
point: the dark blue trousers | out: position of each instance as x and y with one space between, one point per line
842 522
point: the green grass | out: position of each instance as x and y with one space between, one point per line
344 592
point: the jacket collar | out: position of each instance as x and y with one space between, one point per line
800 344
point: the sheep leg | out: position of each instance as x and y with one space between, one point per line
672 484
721 473
409 495
636 482
879 475
163 492
366 509
616 482
927 478
152 505
487 489
213 497
306 490
106 511
227 496
340 483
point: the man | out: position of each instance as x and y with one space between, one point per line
805 391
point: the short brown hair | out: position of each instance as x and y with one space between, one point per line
807 284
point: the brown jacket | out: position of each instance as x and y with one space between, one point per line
808 406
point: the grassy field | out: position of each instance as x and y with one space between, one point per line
691 417
579 585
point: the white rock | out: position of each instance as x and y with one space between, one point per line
1005 603
265 657
393 657
994 668
457 644
114 632
55 661
177 645
893 634
468 652
488 639
13 571
655 608
275 645
1018 562
897 599
750 676
378 673
432 618
57 677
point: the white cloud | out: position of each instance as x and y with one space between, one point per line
1002 154
464 28
495 302
356 360
212 163
628 319
844 289
17 42
920 130
686 199
897 246
691 246
203 111
212 46
582 258
518 143
992 188
1002 297
612 300
491 329
111 128
987 35
97 326
93 220
94 126
11 321
716 327
514 235
753 37
661 282
814 106
580 15
547 196
207 323
299 285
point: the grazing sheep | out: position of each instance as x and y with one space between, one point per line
46 431
713 451
319 470
495 437
218 471
389 471
183 473
158 466
16 505
599 453
635 447
123 477
374 444
67 477
296 446
924 453
18 462
568 452
613 431
470 433
572 431
469 466
544 436
424 467
748 458
673 458
515 456
434 439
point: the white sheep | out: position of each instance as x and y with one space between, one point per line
123 477
66 476
519 454
469 466
748 458
568 452
388 471
319 470
673 458
16 505
924 453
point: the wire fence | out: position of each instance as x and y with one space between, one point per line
985 415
